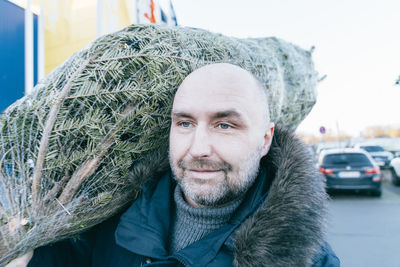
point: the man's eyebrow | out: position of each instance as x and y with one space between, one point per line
217 115
227 114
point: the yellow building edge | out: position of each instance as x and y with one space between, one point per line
70 25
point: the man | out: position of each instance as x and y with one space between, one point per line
238 194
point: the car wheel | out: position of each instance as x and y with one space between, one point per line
395 178
376 193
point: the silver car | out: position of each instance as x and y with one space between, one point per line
395 168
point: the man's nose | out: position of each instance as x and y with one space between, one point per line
201 143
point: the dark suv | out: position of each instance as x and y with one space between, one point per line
350 169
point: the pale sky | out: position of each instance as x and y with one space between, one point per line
357 45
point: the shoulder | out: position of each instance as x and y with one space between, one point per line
326 257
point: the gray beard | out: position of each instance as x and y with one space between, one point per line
225 192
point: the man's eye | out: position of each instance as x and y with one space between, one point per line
224 126
185 124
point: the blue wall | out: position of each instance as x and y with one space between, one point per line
12 51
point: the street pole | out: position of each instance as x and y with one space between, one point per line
28 47
41 45
338 132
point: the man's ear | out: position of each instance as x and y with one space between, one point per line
268 135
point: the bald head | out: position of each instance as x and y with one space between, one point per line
219 132
227 77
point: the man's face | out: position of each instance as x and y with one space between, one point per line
217 136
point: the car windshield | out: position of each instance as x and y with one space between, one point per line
347 159
373 148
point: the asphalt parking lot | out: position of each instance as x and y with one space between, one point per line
364 230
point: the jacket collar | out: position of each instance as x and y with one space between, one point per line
143 228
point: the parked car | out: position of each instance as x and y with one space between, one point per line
380 155
328 145
395 168
350 169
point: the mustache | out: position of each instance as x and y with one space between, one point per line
204 164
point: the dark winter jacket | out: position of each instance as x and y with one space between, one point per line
279 223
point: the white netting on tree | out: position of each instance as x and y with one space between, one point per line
68 150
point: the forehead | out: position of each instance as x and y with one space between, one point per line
213 90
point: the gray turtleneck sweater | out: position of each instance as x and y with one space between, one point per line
191 224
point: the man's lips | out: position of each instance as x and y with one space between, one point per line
203 170
203 174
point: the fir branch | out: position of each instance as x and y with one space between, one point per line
37 175
140 55
99 94
90 166
5 181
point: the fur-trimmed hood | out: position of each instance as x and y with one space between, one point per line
288 229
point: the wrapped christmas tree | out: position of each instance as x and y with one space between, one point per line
68 151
